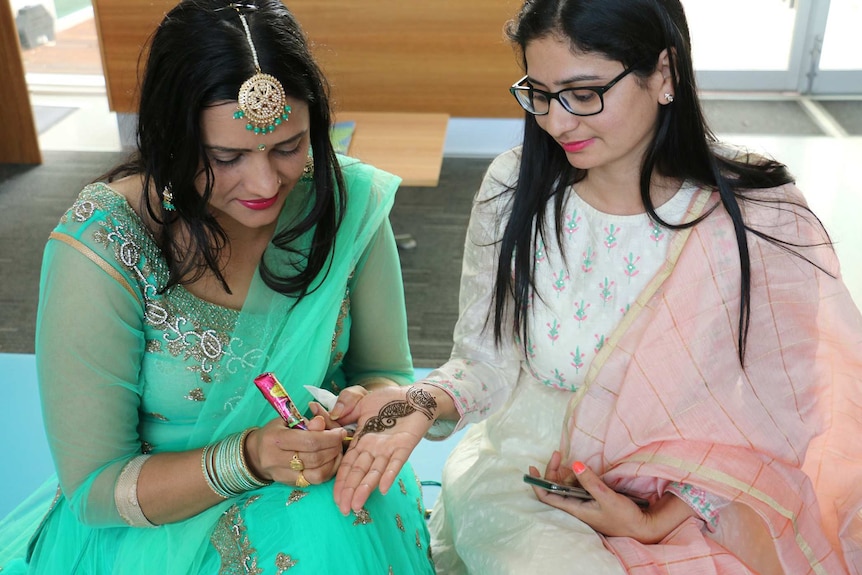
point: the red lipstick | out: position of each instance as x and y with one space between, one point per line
576 146
259 204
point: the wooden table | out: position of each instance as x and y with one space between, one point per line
406 144
19 143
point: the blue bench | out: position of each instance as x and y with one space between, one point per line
25 461
24 457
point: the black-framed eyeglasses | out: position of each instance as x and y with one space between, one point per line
580 101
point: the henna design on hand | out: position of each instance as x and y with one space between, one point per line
423 401
386 418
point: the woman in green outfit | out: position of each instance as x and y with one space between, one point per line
234 242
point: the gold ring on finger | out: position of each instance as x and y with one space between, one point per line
296 463
301 481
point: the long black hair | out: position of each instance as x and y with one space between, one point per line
633 32
198 57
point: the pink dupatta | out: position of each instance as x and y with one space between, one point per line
666 400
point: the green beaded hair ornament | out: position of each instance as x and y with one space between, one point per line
261 100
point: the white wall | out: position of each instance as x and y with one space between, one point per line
481 137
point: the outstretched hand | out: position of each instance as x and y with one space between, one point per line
611 513
391 421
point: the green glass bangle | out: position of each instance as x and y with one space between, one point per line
225 469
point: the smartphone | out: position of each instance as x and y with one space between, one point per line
573 490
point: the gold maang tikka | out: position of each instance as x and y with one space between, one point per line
261 100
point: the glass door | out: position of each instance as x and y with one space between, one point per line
746 45
795 46
838 67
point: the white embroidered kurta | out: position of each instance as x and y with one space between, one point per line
487 520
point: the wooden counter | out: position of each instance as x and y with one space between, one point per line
19 143
409 145
407 66
446 56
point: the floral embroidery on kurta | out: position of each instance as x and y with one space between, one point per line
563 310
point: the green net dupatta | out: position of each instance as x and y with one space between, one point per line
289 338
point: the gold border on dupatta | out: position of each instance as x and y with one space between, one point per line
96 259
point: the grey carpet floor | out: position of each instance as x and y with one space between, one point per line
436 218
32 199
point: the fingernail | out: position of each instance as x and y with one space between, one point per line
578 467
336 411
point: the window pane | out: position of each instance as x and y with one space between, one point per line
741 34
841 45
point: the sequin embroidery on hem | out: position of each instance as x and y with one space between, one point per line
363 517
283 562
230 539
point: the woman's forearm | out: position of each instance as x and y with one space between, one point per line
665 515
444 407
172 487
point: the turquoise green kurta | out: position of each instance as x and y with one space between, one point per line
125 370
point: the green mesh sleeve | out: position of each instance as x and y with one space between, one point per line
89 344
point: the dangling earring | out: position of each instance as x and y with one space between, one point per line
168 199
308 170
669 97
